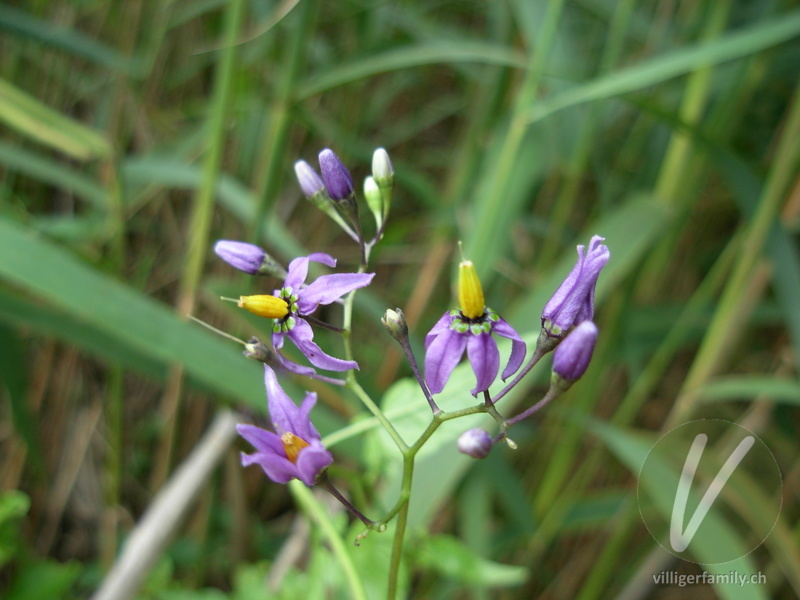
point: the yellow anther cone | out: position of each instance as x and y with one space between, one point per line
470 292
265 306
292 445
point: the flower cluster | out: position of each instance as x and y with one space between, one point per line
294 449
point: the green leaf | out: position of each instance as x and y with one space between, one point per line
631 448
87 296
448 556
751 387
47 170
672 64
67 40
43 581
32 118
13 506
412 56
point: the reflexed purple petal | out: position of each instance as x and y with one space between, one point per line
322 258
307 431
441 325
285 414
442 356
555 303
302 336
278 468
298 269
293 367
329 288
518 347
485 360
262 440
311 461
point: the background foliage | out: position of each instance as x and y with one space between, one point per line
136 133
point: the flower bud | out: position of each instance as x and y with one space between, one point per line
336 176
258 350
475 443
374 198
382 169
395 323
246 257
383 173
572 356
309 181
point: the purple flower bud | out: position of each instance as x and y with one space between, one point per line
336 176
475 443
307 177
573 301
241 255
572 356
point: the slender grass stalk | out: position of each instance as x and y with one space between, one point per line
784 168
484 235
564 205
272 159
200 222
319 515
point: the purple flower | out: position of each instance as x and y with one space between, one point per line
336 176
573 301
469 329
572 356
294 450
475 443
294 302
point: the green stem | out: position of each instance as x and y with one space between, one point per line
402 522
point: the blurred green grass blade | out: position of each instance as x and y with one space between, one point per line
46 170
231 193
751 387
32 118
631 448
630 230
70 41
44 319
672 64
412 56
448 556
319 515
14 378
51 273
